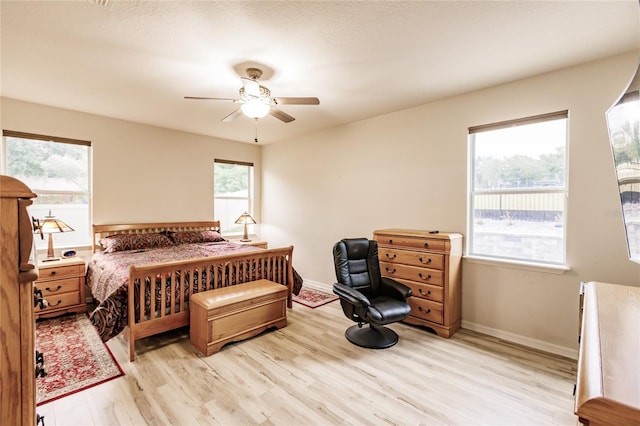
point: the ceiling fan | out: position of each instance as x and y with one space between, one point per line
256 100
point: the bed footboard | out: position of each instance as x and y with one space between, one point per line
159 294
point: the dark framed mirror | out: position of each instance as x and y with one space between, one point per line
623 120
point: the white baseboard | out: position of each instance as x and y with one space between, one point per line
522 340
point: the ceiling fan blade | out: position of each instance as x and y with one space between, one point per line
281 115
297 101
205 98
235 114
251 87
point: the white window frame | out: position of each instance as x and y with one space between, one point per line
231 229
55 139
563 192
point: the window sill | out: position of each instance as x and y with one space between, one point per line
514 264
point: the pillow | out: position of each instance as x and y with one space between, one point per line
187 237
121 242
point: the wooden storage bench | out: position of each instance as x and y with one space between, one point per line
234 313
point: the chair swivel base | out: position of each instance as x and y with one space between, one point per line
371 337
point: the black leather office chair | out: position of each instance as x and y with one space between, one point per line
365 296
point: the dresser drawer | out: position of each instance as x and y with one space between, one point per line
415 258
412 273
409 242
60 272
425 291
60 300
58 286
425 309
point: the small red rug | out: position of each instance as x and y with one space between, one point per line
75 358
313 298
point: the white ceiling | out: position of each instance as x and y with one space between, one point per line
136 60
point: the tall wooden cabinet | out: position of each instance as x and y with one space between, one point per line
17 329
429 263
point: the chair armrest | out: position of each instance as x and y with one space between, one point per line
395 289
351 295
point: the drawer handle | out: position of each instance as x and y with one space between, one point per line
58 288
428 293
424 311
428 277
59 302
393 271
41 372
53 273
390 241
427 262
426 245
38 299
390 257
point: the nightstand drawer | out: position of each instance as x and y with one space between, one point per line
60 272
413 273
58 286
254 243
60 300
415 258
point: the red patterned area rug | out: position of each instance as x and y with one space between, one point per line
75 358
313 298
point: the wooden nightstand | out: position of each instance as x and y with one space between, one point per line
256 243
62 284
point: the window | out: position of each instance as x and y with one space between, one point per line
518 189
232 193
58 170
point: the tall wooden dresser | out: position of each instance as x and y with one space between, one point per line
429 263
17 329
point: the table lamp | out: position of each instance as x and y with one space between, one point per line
50 225
245 218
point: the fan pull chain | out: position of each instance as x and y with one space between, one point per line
256 138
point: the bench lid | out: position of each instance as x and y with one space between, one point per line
236 293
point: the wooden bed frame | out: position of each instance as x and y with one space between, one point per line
271 264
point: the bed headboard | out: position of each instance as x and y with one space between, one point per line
101 231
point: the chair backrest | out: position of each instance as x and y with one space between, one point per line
356 264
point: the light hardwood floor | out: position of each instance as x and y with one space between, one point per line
307 373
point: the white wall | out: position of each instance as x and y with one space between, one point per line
140 173
408 169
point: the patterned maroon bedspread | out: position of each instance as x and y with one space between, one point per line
108 276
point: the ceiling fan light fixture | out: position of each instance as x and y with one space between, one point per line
255 108
255 100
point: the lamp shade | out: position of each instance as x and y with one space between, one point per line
255 108
245 219
50 225
53 225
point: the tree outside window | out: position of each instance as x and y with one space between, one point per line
233 193
59 173
518 189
